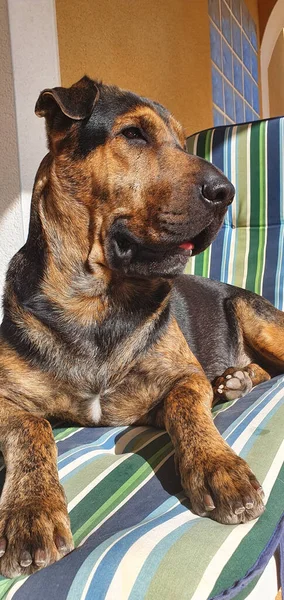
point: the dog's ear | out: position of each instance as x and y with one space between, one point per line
76 102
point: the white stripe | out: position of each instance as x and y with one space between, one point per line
104 473
99 449
96 565
15 588
253 425
68 435
248 201
134 559
232 249
233 540
265 125
253 407
273 471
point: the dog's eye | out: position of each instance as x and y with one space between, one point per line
133 133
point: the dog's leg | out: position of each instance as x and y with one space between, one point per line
218 483
238 381
34 523
262 326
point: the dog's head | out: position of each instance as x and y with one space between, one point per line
150 204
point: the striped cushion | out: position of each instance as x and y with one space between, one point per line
136 538
248 251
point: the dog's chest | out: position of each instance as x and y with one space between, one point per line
95 409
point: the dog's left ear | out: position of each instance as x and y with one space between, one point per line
76 102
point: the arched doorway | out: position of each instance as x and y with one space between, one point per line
273 28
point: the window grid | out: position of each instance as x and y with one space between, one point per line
234 62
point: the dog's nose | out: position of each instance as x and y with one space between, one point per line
218 188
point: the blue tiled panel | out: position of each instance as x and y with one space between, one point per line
238 75
255 98
217 84
239 108
246 53
214 11
245 19
254 66
234 53
248 113
237 38
227 62
236 8
253 35
247 87
229 100
226 21
218 117
215 41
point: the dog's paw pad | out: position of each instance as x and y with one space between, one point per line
232 384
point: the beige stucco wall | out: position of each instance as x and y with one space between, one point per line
276 78
160 49
11 222
253 8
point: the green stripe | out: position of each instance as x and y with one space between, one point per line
262 209
61 434
206 262
254 218
86 474
112 500
266 446
7 584
238 251
254 542
186 561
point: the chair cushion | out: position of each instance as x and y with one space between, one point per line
135 535
248 251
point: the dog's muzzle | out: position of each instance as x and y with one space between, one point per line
179 233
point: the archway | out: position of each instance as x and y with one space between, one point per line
273 27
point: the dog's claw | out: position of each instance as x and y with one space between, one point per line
209 504
40 558
26 559
61 544
239 510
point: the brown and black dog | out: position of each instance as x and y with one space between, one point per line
101 328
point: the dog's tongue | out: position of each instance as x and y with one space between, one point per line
187 246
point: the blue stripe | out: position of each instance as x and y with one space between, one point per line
273 209
152 562
280 266
240 424
227 419
107 568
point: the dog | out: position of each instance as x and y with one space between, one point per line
100 326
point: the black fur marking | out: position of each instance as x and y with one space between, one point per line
112 103
204 311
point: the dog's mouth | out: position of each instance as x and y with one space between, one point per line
134 257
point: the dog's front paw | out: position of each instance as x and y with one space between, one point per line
223 488
233 384
32 536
